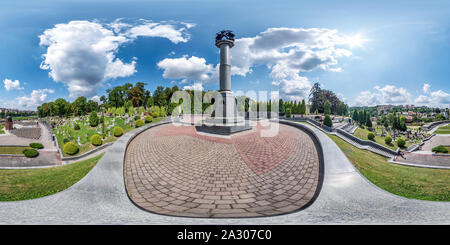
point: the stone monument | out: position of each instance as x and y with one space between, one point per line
9 125
225 119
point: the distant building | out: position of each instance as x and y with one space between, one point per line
409 119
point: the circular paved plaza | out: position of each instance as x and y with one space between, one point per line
174 170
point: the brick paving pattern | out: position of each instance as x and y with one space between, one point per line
175 171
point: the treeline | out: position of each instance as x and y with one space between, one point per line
121 99
363 117
4 114
118 100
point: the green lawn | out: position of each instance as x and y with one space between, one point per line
362 134
411 182
23 184
443 130
14 150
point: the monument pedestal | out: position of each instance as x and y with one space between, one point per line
226 119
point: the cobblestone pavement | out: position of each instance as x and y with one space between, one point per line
175 171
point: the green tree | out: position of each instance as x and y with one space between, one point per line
93 119
303 107
327 121
327 108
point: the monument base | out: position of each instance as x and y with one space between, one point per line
224 126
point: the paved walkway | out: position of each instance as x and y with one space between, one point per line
176 171
435 141
346 197
429 160
48 156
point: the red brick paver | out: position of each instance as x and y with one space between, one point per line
173 170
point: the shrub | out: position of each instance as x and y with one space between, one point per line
327 121
388 140
440 148
93 119
371 136
70 148
36 145
139 123
76 127
137 118
148 119
30 153
162 111
401 142
288 112
118 131
96 140
154 111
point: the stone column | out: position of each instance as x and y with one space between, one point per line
225 67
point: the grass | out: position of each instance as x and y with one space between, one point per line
1 129
24 184
362 134
443 130
14 150
411 182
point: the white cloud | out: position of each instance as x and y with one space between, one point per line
433 98
367 98
166 30
35 99
195 86
393 95
422 99
389 94
287 52
82 54
297 49
96 98
426 88
193 69
12 85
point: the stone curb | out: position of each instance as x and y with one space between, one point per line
87 153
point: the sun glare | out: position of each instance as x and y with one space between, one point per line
356 40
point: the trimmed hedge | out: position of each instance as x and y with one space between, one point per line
401 142
371 136
96 140
30 153
388 140
440 149
118 131
70 148
148 119
36 145
139 123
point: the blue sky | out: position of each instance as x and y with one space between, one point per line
367 53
